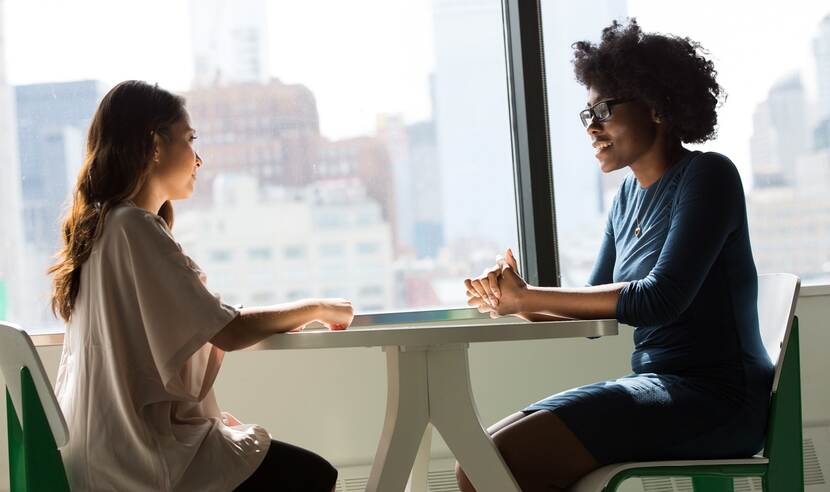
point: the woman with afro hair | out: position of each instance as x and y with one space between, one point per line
675 263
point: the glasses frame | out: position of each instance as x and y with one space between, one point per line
589 114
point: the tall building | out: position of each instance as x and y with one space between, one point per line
821 50
473 121
428 202
11 230
779 134
789 207
270 131
230 41
366 160
790 225
52 121
419 210
263 245
391 130
580 188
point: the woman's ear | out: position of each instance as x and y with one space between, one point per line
656 117
157 141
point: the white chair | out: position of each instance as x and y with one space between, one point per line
780 467
36 426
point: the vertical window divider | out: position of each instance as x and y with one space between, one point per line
530 139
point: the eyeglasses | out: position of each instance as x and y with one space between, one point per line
600 111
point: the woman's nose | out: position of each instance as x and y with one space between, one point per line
198 160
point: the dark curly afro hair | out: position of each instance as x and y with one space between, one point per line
669 73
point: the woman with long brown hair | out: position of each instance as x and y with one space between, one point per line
144 337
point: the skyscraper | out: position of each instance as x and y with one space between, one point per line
821 49
419 210
230 42
52 121
473 121
270 131
779 134
578 185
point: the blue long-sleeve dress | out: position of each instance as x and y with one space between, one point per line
701 378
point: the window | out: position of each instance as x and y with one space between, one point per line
294 252
367 248
298 159
259 254
774 124
220 256
332 250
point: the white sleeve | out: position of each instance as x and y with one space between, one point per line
180 316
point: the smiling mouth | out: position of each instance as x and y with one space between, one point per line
600 146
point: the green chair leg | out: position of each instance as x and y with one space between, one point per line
34 459
712 484
784 443
17 463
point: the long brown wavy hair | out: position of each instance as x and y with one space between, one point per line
119 153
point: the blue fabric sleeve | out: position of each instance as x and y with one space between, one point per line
708 207
603 271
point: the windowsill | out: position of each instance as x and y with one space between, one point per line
410 317
815 290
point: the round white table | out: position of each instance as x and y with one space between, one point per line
428 383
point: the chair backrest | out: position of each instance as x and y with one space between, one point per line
777 296
16 352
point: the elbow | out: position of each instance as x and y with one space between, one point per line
644 303
228 338
225 343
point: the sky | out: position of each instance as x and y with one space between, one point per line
364 58
356 69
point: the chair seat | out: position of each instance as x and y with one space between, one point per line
599 478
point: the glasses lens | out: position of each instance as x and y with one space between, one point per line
602 111
585 116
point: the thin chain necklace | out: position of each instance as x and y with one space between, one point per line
638 229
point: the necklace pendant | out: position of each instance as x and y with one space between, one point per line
637 231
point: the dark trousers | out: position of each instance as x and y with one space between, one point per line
288 468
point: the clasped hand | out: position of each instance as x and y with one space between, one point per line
499 290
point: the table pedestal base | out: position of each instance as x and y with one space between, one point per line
432 385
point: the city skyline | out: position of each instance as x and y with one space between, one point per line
411 163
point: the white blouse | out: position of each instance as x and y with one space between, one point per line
136 374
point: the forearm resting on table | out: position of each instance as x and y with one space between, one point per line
258 323
556 303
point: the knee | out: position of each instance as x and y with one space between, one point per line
507 450
463 482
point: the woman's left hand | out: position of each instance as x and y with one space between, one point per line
513 290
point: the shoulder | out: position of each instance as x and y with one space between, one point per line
712 178
712 166
129 217
136 225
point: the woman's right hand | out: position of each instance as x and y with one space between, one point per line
335 314
483 291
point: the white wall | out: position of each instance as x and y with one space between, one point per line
332 401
